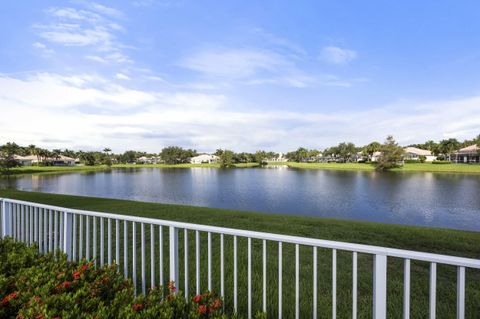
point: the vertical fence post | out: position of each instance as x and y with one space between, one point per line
8 219
173 253
380 287
67 235
4 218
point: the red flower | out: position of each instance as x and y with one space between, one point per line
76 275
65 284
138 306
197 299
171 286
13 295
202 309
7 299
217 303
84 267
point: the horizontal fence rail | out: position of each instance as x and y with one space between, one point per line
150 252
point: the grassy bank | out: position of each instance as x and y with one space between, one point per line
55 169
416 238
408 167
64 169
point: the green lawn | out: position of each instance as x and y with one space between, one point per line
408 167
64 169
55 169
444 241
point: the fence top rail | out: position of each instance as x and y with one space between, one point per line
361 248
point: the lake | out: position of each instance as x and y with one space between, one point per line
425 199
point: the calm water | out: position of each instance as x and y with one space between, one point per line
440 200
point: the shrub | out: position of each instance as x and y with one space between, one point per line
50 286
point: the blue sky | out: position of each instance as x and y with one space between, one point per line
244 75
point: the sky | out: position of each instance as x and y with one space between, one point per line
241 75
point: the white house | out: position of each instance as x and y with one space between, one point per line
148 160
62 160
23 160
469 154
30 160
375 156
413 153
280 158
204 158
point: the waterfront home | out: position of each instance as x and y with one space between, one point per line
62 160
23 160
414 153
279 158
375 156
469 155
148 160
204 158
30 160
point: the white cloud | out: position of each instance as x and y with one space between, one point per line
92 29
45 51
96 58
91 111
234 63
122 76
336 55
105 10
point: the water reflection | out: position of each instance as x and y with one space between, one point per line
443 200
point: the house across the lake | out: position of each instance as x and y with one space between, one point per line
24 160
30 160
280 157
413 153
204 158
468 155
148 160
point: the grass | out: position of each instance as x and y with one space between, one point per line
408 167
55 169
443 241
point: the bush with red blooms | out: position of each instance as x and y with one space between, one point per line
208 304
49 286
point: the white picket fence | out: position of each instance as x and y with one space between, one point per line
75 232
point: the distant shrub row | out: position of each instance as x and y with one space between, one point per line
36 286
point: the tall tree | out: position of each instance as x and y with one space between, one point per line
7 157
107 159
392 155
371 148
447 147
226 159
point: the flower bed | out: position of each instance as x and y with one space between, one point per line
47 286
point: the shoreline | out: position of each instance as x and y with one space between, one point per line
407 168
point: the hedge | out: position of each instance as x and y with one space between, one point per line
48 286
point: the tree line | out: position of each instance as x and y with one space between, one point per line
343 152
